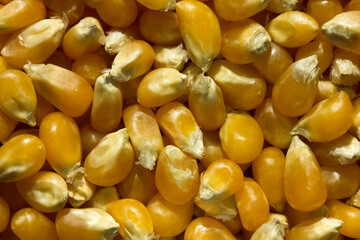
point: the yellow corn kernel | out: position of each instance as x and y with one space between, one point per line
44 191
80 188
293 29
89 138
273 230
273 62
134 219
206 102
3 63
133 60
275 127
202 43
336 110
244 41
7 126
82 38
280 6
294 92
89 66
207 228
107 104
18 97
117 13
102 197
177 175
61 138
323 10
20 13
160 27
66 90
241 137
327 88
341 151
170 56
21 157
43 108
31 131
169 219
5 214
34 43
144 133
221 179
352 5
139 184
111 160
345 68
29 224
72 9
178 125
60 59
234 225
243 88
342 181
348 214
342 31
161 86
235 10
163 5
85 223
296 217
224 210
212 147
304 185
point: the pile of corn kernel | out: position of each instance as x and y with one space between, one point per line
179 120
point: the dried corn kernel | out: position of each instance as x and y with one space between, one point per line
43 108
117 13
235 10
163 5
72 9
170 56
212 147
345 68
80 188
115 40
295 217
327 88
7 126
60 59
4 214
280 6
323 10
89 138
102 197
272 230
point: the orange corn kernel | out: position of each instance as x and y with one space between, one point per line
212 147
44 191
66 90
169 219
5 214
327 88
111 160
35 43
323 10
20 13
341 151
348 214
336 109
7 126
345 68
133 217
342 181
160 27
21 157
304 185
161 86
18 97
179 125
243 88
79 223
144 133
294 92
296 217
28 223
139 184
177 175
293 29
273 62
107 105
235 10
89 138
60 59
73 9
89 66
61 138
117 13
241 137
102 197
43 108
275 127
207 228
202 43
272 182
252 205
221 179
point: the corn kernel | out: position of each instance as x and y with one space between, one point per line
4 214
170 56
354 200
280 6
296 217
212 148
115 40
72 9
7 126
235 10
9 192
102 197
89 138
273 230
234 225
345 68
43 108
80 188
355 126
60 59
323 10
327 88
352 5
163 5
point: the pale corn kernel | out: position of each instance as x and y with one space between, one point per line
4 214
160 87
18 97
163 5
170 56
21 157
272 230
102 197
115 39
85 223
327 88
345 68
144 134
89 66
80 188
336 110
202 43
111 160
304 185
354 200
44 191
72 9
178 125
54 82
293 29
35 43
280 6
